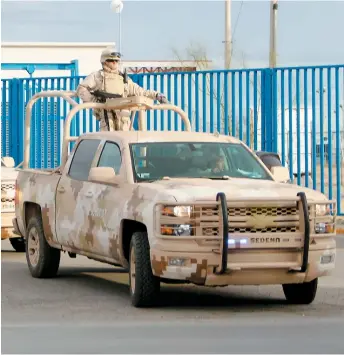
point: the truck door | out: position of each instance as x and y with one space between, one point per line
72 196
109 208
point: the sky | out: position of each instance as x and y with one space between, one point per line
309 32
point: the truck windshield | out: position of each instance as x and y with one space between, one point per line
153 161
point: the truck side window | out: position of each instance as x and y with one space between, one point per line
111 157
82 160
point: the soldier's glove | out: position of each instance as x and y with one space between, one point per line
161 98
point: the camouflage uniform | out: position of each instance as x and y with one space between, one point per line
112 81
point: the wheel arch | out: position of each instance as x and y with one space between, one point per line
32 209
127 228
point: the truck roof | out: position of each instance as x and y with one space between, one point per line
162 136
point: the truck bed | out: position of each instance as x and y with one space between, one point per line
37 188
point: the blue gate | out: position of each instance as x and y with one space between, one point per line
298 112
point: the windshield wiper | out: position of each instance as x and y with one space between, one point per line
224 177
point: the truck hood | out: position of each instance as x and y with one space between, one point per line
193 190
8 173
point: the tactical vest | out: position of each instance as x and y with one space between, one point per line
113 83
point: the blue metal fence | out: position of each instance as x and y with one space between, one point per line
298 112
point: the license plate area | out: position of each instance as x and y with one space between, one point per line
267 241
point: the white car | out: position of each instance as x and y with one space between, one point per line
8 180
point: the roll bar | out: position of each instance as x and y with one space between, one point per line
134 103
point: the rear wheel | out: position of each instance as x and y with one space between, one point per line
144 286
18 244
43 260
303 293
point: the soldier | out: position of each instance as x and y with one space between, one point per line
111 80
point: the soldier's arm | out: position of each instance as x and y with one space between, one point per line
136 90
90 83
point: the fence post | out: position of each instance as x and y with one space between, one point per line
14 118
274 111
268 119
264 104
138 79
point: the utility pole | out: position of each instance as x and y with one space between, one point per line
273 30
228 34
228 57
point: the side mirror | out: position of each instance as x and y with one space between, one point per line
103 174
9 162
280 173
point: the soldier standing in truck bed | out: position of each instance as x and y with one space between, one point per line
111 80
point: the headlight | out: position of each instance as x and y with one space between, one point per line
177 211
324 223
177 229
322 210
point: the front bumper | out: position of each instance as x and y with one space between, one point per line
300 255
200 268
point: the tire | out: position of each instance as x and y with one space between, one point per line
47 263
303 293
144 286
18 244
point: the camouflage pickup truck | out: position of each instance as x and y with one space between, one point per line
178 207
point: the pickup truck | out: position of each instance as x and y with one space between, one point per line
173 207
8 178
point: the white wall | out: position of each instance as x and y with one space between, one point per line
88 55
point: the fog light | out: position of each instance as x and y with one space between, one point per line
177 229
232 242
176 261
327 259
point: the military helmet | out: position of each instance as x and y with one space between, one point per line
110 53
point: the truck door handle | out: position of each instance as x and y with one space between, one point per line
61 189
89 194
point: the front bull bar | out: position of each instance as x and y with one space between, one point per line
224 253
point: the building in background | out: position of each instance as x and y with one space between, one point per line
87 55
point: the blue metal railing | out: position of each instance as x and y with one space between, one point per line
30 68
298 112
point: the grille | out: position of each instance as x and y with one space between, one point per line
258 211
209 232
7 186
264 230
286 221
209 211
6 201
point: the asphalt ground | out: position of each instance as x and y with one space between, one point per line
86 309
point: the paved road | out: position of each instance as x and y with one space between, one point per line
87 310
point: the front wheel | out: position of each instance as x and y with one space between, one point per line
303 293
18 244
144 286
43 260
